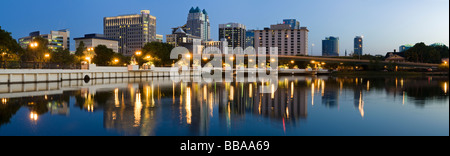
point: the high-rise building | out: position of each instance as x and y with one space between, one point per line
405 47
198 24
249 38
179 38
292 22
132 31
56 39
358 45
330 46
94 40
233 33
288 41
159 38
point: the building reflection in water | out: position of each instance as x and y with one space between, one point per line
142 108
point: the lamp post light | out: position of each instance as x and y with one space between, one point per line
34 45
315 64
46 59
88 59
138 53
4 60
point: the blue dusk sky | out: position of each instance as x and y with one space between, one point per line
385 24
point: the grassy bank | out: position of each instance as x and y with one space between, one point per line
378 74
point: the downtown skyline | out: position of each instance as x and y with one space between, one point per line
384 24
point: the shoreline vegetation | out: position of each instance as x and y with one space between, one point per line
386 74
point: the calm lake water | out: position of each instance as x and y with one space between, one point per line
300 106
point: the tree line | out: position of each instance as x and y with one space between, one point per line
38 51
426 54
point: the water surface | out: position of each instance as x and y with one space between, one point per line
300 106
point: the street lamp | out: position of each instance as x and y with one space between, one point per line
138 53
88 59
34 45
46 58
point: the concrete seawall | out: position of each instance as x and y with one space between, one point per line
12 76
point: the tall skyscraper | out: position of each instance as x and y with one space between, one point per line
198 24
358 45
233 33
288 41
249 38
292 22
330 46
56 39
132 31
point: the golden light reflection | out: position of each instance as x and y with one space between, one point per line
231 97
205 93
173 92
287 112
228 115
116 98
211 109
273 91
368 85
153 95
4 100
312 93
188 106
89 102
250 90
445 87
361 104
401 82
33 116
137 109
260 103
396 82
323 88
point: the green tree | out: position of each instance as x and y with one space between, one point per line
159 51
10 50
62 57
423 54
80 53
443 51
80 49
36 53
103 56
122 59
